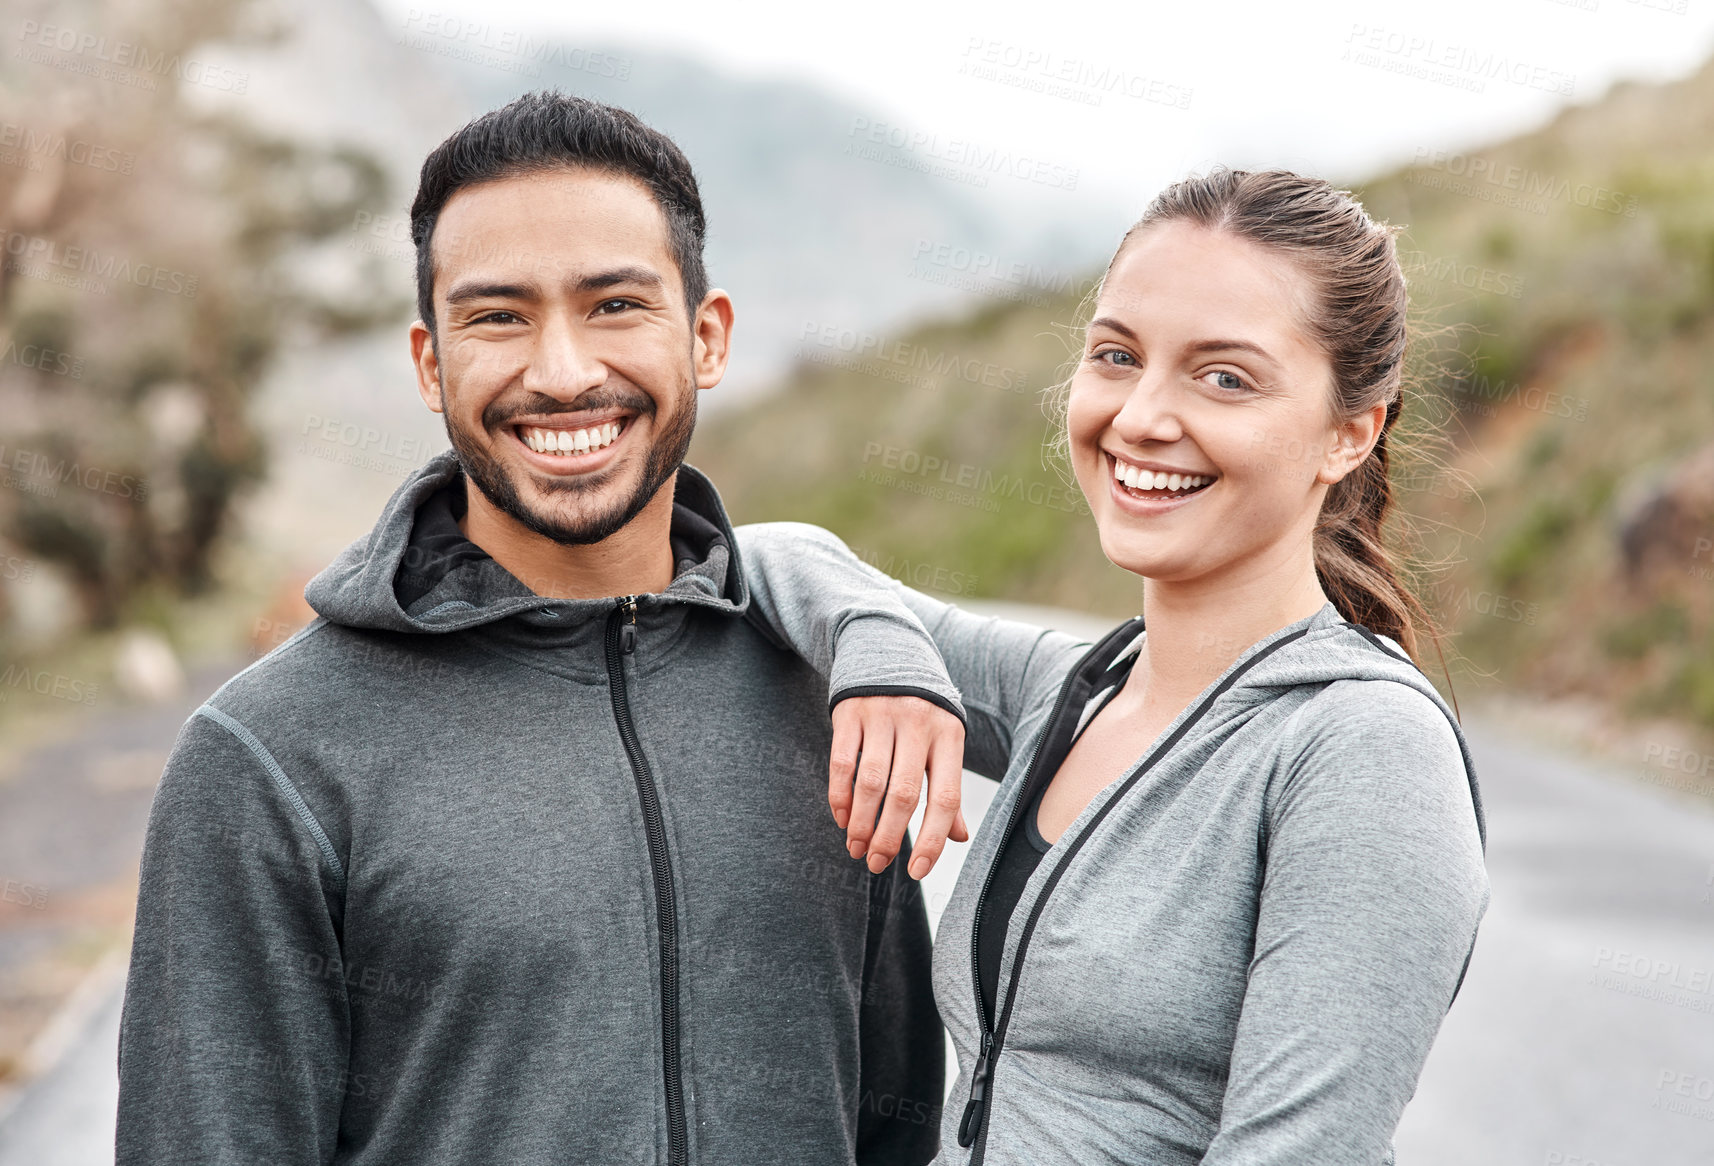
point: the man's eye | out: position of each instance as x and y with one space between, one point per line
496 318
613 307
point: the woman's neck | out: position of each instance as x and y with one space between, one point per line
1197 628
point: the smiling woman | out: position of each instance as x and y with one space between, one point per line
1233 872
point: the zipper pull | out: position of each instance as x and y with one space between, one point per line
971 1123
628 630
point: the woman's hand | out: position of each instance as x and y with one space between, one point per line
882 746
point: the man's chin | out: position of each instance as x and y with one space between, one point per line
572 510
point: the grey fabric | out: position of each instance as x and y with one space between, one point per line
1247 959
397 904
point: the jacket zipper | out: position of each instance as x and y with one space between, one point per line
621 642
974 1125
974 1117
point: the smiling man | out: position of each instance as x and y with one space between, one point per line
518 854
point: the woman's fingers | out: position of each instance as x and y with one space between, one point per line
874 766
904 786
886 749
842 762
941 816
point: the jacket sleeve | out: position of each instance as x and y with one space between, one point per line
1373 890
234 1036
807 587
903 1047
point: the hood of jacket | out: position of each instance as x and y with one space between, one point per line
389 581
1318 650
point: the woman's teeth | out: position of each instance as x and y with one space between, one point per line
571 441
1139 479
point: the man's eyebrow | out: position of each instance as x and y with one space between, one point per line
601 280
475 289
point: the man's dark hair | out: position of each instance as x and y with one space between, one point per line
548 131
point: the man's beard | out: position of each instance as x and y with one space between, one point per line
664 458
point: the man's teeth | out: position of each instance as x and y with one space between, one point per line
1140 479
562 441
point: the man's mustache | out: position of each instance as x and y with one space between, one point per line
533 404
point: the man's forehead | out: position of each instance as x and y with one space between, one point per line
594 200
562 225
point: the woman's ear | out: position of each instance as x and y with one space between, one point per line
1352 442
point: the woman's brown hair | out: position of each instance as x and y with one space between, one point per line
1357 315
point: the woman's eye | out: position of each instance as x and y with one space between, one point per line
1228 380
1119 357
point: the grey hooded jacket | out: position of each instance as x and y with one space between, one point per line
492 878
1241 951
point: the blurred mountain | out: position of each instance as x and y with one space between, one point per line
1555 469
818 209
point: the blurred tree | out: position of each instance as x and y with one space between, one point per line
158 250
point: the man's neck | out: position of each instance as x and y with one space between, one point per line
636 559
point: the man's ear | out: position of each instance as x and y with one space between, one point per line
426 361
1352 442
712 333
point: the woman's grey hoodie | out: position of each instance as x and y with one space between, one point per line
1238 953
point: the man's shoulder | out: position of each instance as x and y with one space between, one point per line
321 666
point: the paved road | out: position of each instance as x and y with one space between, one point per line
1584 1035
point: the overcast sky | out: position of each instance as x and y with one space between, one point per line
1131 95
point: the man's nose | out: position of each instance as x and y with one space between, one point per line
563 363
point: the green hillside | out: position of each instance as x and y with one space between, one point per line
1563 283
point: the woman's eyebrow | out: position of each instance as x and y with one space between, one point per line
1231 346
1110 322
